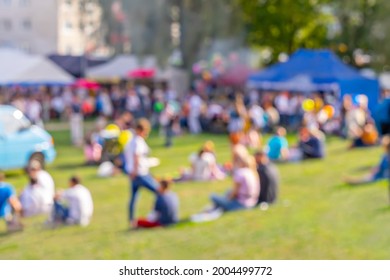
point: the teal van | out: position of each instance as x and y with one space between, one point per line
21 142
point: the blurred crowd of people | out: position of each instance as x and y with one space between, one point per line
214 111
118 142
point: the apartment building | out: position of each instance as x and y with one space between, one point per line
51 26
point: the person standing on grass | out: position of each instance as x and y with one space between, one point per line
10 207
137 165
76 121
195 108
166 208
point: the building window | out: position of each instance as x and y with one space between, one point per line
6 24
26 24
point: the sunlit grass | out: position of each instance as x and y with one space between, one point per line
316 217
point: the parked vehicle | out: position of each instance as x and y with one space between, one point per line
21 142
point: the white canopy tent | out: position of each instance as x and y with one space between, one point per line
18 68
120 67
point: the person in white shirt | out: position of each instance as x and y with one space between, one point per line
34 111
58 105
256 114
204 166
76 121
195 107
75 205
137 165
282 105
108 110
37 197
133 102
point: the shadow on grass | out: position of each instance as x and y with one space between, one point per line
383 210
185 222
70 166
15 174
366 168
346 186
5 234
338 151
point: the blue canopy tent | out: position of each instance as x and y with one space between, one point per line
316 70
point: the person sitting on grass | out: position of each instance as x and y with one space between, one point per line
73 206
379 172
245 192
311 143
204 166
278 145
37 196
166 208
10 206
269 178
365 137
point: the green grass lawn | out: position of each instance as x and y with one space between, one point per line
316 217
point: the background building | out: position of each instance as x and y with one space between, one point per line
51 26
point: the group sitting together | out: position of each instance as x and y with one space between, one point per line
311 145
255 179
71 206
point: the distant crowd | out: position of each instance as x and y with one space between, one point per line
118 145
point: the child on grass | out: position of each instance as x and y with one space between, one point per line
166 208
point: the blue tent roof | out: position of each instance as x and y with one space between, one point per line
310 70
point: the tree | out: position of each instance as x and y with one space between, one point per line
204 22
355 19
285 25
148 26
363 25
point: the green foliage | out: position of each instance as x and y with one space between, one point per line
148 25
285 25
363 25
280 26
355 19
